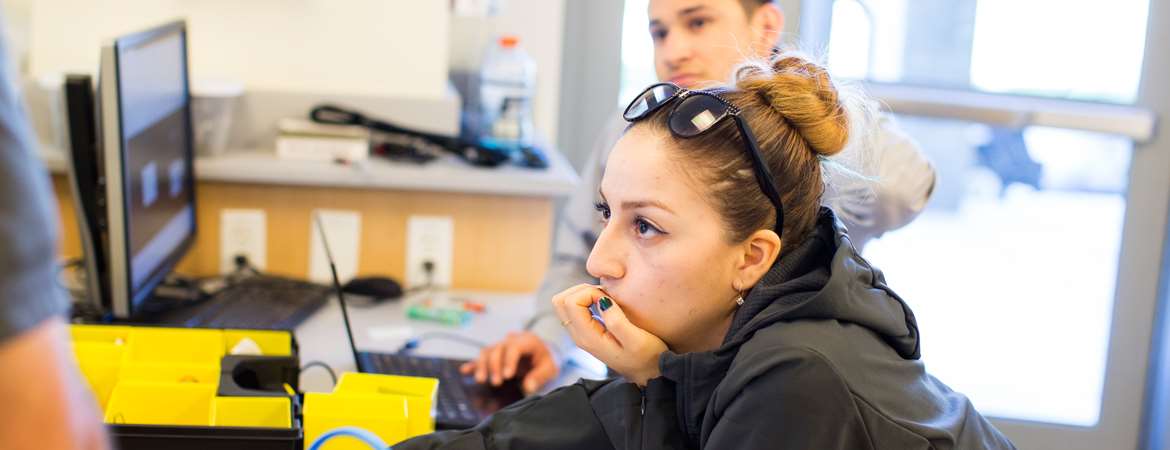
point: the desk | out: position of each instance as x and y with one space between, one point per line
385 328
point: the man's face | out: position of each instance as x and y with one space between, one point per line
701 41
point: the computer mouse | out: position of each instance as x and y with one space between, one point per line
377 288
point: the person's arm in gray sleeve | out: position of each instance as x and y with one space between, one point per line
904 182
40 382
28 289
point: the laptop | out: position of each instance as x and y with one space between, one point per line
461 403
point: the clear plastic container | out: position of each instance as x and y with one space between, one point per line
506 88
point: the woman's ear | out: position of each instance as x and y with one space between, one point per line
760 251
767 23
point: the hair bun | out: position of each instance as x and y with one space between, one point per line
802 92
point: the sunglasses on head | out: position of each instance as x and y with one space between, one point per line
693 114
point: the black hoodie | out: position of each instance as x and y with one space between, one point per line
822 355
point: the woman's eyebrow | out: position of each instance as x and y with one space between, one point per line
634 204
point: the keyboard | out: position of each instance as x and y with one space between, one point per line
461 402
262 302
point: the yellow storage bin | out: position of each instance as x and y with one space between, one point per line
100 364
266 412
419 392
171 373
148 403
110 334
383 415
175 345
271 343
170 376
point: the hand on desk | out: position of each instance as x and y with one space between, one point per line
501 362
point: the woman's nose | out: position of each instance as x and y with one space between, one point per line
607 258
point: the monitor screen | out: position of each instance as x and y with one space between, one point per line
158 197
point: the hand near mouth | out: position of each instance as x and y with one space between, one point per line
621 345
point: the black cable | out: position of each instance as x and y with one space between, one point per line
311 364
470 151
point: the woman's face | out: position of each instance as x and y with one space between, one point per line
663 255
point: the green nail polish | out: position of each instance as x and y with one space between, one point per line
605 303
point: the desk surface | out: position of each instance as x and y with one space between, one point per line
385 328
447 174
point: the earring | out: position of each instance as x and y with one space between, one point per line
739 298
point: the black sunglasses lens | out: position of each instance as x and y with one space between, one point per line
650 101
697 114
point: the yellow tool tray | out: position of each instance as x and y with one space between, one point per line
393 407
173 384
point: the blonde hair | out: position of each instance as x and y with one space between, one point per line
800 119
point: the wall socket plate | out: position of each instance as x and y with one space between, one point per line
243 232
429 238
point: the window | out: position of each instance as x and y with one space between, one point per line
1074 49
637 52
1011 267
1020 322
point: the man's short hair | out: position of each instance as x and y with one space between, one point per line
750 6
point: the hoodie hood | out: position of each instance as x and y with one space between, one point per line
822 278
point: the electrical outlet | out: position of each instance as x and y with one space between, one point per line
243 232
343 229
429 239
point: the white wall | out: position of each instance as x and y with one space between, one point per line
381 47
395 48
17 15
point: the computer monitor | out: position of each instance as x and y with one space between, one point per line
146 143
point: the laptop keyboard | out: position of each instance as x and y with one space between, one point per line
454 407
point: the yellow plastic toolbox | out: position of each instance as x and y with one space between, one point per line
181 388
394 408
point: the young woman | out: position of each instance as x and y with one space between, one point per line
731 300
695 42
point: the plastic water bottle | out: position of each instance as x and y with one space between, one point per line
507 83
